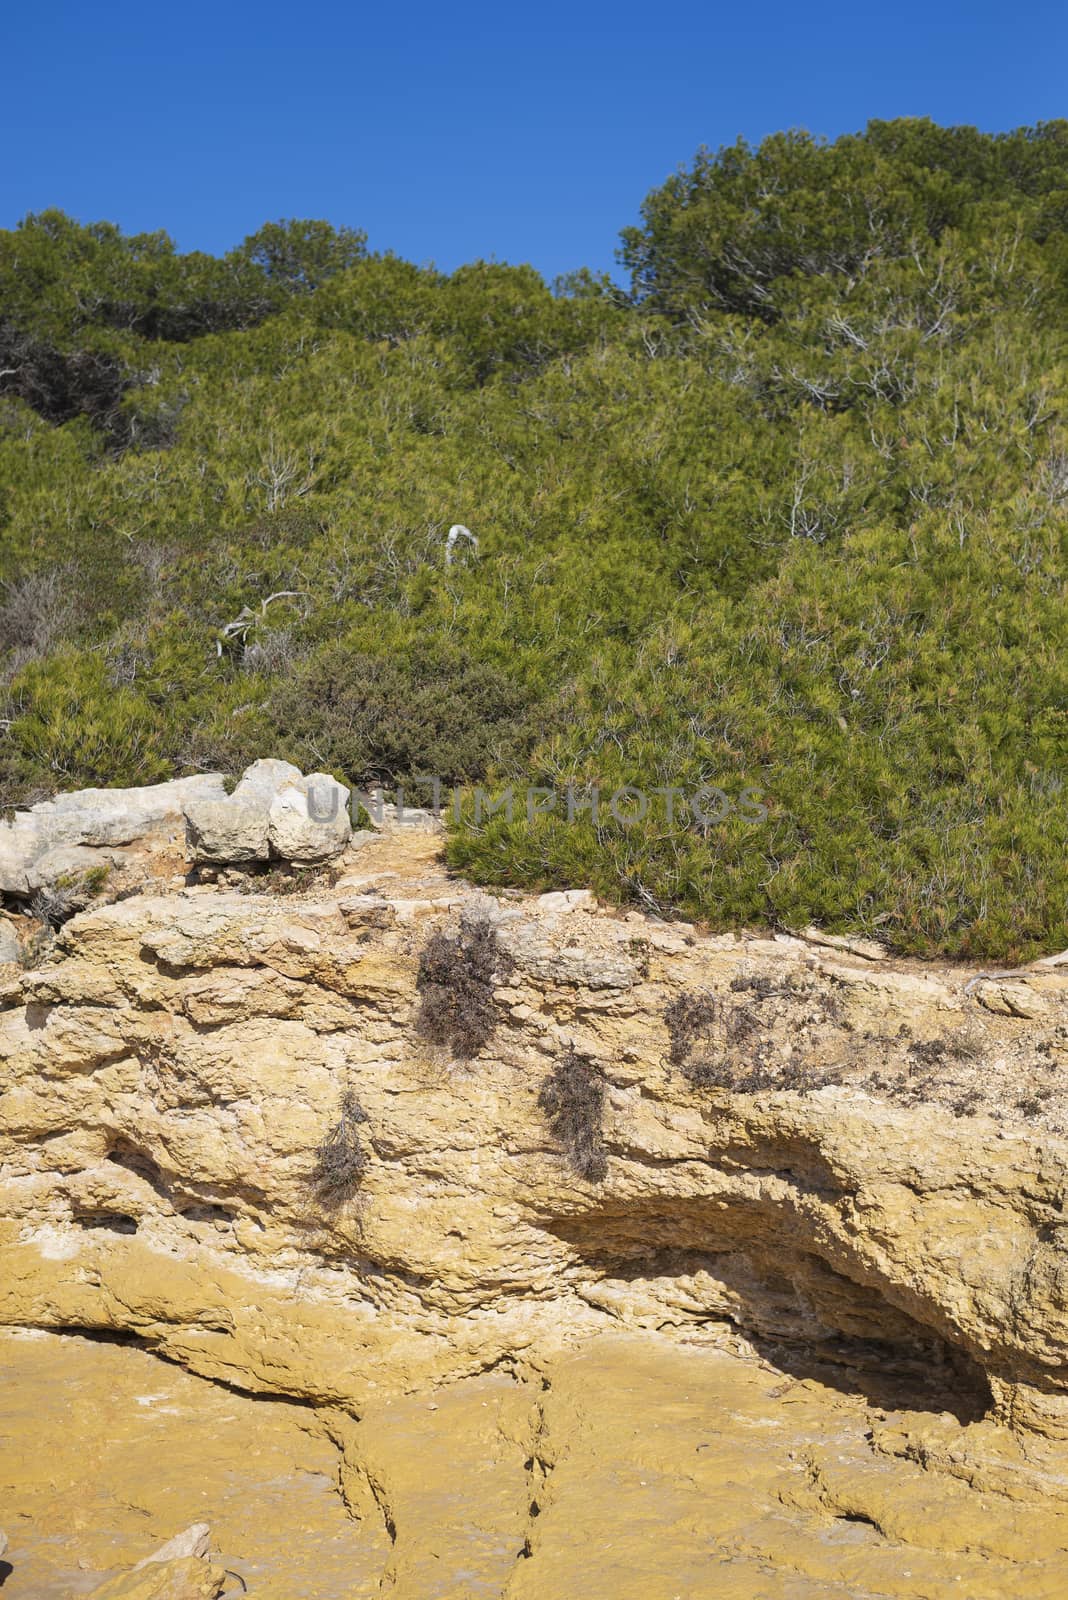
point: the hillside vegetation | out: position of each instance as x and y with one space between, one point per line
788 514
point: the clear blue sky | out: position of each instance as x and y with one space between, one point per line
451 132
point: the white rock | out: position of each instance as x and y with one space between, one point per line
9 944
192 1541
567 900
69 861
236 828
309 820
99 818
263 780
385 816
219 830
853 946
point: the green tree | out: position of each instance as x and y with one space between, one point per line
300 256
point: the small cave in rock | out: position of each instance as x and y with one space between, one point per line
697 1265
203 1211
106 1221
124 1153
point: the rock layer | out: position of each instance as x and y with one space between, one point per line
878 1196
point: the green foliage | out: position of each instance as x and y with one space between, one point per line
729 230
59 279
438 713
790 516
301 256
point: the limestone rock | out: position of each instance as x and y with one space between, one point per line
179 1570
1013 997
851 945
235 828
272 811
891 1179
813 1318
97 819
567 900
192 1541
222 831
308 820
386 816
263 780
367 911
9 942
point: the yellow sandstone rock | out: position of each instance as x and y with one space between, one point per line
183 1579
847 1187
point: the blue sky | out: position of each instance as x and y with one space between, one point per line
453 132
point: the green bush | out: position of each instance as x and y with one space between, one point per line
789 515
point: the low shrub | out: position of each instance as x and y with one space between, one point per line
728 1047
284 878
341 1161
572 1098
690 1018
71 893
456 981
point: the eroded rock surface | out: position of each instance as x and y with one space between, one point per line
845 1179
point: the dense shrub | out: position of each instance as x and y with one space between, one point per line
374 717
727 232
572 1098
791 515
61 385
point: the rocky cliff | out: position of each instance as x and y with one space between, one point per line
618 1170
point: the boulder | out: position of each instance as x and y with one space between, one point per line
19 848
309 821
235 829
263 780
273 811
219 830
